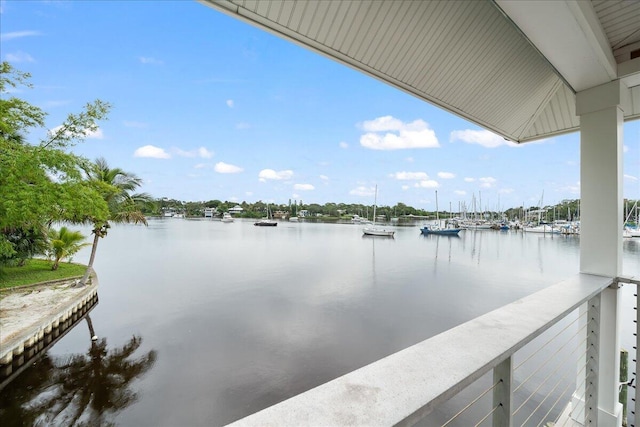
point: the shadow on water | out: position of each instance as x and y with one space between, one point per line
79 389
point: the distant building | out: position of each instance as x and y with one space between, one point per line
236 209
210 212
280 214
303 213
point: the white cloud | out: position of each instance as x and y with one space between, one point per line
389 133
222 167
460 192
151 151
481 137
90 134
201 152
303 187
324 177
204 153
248 193
149 60
506 191
17 35
469 179
630 177
405 176
446 175
427 183
200 166
573 189
266 174
230 103
409 160
405 187
363 191
344 145
487 181
19 57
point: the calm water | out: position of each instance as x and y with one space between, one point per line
202 323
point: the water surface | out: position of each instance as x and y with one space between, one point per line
222 320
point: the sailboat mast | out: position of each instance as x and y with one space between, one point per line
437 216
375 202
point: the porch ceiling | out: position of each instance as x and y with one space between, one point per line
509 66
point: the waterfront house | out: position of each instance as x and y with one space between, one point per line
525 70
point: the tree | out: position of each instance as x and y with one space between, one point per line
41 183
115 186
64 243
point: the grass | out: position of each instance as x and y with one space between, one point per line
37 271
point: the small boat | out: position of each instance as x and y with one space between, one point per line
226 217
542 228
427 229
373 230
266 222
436 228
294 218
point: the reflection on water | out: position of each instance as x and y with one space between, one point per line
246 316
78 389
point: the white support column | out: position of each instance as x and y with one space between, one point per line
601 173
503 394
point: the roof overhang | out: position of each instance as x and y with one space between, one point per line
513 67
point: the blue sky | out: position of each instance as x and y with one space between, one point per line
207 107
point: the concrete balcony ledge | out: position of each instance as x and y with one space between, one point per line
403 387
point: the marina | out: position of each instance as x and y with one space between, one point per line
241 318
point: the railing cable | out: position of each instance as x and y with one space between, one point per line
470 404
549 341
542 365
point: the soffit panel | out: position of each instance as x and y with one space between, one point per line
620 21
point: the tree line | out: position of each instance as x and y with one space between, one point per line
565 210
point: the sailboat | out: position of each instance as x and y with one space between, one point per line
437 229
294 218
266 222
373 230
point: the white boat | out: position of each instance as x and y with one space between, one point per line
629 231
373 230
226 217
543 228
294 218
266 222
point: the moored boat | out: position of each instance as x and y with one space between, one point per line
226 217
373 230
434 229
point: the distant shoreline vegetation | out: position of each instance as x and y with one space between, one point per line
566 210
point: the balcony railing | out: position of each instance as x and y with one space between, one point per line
529 363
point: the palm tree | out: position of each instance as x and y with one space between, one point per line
116 186
64 244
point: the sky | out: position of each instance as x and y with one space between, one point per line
207 107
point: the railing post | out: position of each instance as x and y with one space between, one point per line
502 393
592 362
636 406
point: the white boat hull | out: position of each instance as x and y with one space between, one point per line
378 232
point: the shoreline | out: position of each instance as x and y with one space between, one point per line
31 316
